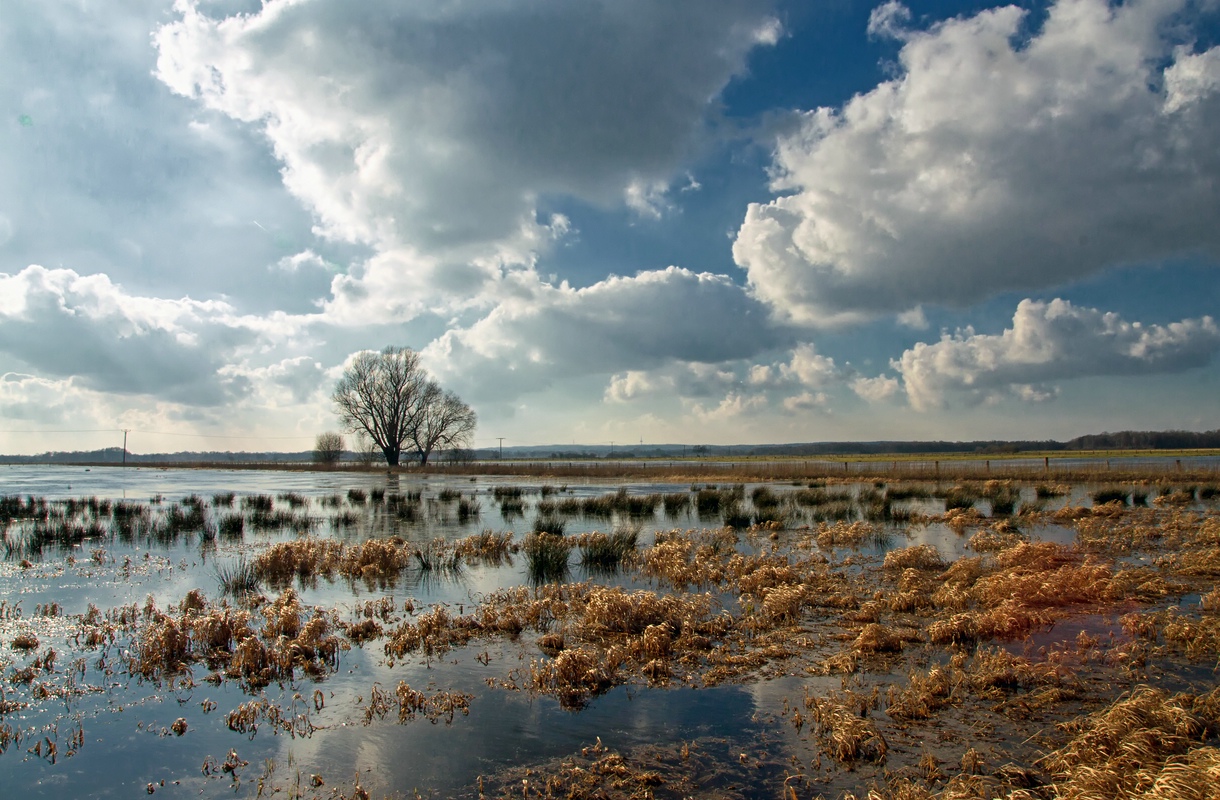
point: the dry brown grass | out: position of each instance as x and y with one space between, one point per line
372 559
843 733
876 638
24 641
1146 744
292 639
407 704
486 547
843 534
924 695
920 556
599 773
684 559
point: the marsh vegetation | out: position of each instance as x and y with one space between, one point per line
815 638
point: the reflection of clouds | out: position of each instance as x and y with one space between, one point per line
769 697
949 544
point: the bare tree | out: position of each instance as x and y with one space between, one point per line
328 448
379 395
367 451
389 398
444 422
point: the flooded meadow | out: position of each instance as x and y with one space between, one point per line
333 634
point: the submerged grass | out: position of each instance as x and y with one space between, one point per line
934 656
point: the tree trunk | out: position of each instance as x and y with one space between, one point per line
391 456
423 457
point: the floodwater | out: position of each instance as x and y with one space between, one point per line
113 733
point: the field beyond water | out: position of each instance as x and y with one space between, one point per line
357 635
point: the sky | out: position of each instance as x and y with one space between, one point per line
690 221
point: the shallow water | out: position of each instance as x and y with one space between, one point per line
125 742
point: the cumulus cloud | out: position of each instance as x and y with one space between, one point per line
737 387
632 384
35 401
733 406
998 159
805 401
875 389
434 129
542 333
1049 342
64 324
889 20
304 378
806 367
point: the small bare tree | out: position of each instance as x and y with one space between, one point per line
328 448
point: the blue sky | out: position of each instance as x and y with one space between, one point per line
718 221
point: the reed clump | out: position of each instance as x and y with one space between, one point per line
546 556
843 534
924 695
291 638
433 632
238 579
920 557
843 733
407 704
487 547
683 559
373 559
1146 744
608 552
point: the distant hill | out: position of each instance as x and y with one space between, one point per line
1123 440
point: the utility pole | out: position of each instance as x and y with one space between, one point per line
125 446
501 438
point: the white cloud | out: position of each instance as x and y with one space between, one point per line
875 389
889 20
304 379
1049 342
64 324
632 384
805 401
914 319
732 407
36 402
306 259
805 368
540 333
995 161
431 130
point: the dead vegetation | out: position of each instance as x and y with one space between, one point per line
281 641
406 704
1021 644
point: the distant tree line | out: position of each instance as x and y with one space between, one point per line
1122 440
1146 440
